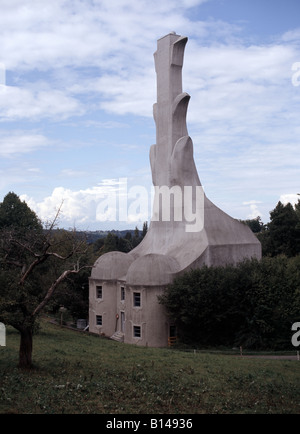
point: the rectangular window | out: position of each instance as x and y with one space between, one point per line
137 331
99 291
99 320
136 299
122 293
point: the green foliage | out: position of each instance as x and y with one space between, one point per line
73 292
282 234
33 263
114 242
17 215
256 225
252 304
21 233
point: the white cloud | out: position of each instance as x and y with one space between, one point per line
110 201
21 143
23 103
289 198
58 34
254 211
291 35
226 81
56 43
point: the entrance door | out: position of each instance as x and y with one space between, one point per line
173 331
122 322
172 335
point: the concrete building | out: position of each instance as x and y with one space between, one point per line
186 231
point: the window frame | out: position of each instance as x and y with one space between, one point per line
99 288
99 318
137 299
122 293
137 331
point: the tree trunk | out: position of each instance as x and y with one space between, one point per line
25 354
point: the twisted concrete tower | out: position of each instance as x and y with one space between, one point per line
213 238
186 231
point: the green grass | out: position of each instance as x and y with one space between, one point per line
81 373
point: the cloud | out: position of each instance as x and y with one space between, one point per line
292 198
24 103
59 52
253 208
19 142
110 201
72 173
102 50
72 32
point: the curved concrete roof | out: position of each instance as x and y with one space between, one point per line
152 269
111 266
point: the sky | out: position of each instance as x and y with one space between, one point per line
77 88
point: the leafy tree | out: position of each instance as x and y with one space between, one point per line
16 214
283 233
202 304
110 243
73 292
114 243
33 264
256 225
98 246
136 237
252 304
297 212
145 229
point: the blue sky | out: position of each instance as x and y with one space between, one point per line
77 86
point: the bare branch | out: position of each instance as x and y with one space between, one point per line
53 223
55 284
38 261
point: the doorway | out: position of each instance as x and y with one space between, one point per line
122 322
172 335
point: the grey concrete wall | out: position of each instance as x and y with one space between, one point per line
151 317
106 307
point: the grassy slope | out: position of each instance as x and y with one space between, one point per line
80 373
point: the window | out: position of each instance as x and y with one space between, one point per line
137 331
99 291
136 299
173 331
122 293
99 320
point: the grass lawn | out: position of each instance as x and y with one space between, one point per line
80 373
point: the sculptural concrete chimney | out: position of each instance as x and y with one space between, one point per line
170 115
168 249
220 239
168 65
